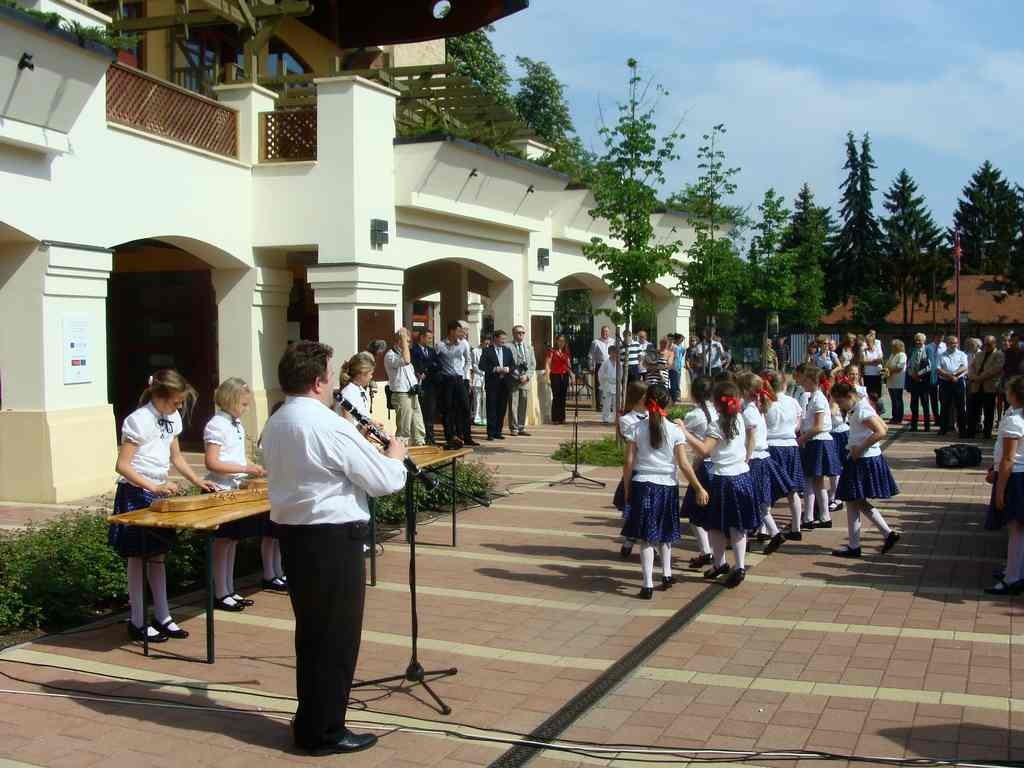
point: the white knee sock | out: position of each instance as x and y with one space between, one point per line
717 547
135 587
876 517
647 564
702 539
809 503
796 508
229 567
769 521
853 510
833 483
1014 552
739 546
267 557
158 587
821 499
666 559
221 549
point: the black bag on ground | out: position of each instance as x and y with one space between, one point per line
957 455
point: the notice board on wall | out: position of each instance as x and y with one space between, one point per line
76 344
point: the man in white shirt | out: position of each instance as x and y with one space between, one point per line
524 363
405 390
598 354
641 339
952 388
320 472
935 349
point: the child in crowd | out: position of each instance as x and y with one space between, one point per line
732 510
654 450
865 472
764 473
227 467
606 381
633 412
149 446
696 423
1006 507
818 452
354 379
782 420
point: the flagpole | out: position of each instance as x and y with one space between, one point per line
956 285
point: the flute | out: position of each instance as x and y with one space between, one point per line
372 430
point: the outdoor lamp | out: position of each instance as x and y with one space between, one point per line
543 258
441 9
378 232
25 62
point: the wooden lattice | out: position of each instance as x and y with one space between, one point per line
138 100
289 134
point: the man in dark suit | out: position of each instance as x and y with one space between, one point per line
427 366
496 363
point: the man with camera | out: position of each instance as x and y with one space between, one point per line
496 363
405 390
320 472
523 365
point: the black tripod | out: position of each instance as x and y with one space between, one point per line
575 475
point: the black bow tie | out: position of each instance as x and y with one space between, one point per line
166 424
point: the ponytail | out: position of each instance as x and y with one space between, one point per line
354 366
656 400
727 403
701 390
167 383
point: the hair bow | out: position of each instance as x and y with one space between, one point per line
653 407
766 394
825 383
731 404
844 379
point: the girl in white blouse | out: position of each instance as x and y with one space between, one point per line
228 467
817 449
696 423
769 482
149 446
783 422
1006 507
355 378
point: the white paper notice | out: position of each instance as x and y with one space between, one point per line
76 349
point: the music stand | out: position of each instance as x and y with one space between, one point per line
575 475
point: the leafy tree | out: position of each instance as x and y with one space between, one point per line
807 238
857 263
733 218
474 57
540 101
910 236
771 278
624 188
714 274
988 216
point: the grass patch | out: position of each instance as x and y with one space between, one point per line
606 452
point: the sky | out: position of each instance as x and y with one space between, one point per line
938 85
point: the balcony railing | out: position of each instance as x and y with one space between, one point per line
288 135
138 100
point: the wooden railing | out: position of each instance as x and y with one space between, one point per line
288 135
138 100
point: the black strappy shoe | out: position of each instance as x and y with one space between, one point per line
700 561
714 573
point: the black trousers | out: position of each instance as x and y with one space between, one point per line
497 404
978 403
873 384
327 587
896 399
920 397
933 396
559 389
951 397
455 391
467 414
428 407
597 389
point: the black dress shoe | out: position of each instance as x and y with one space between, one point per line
496 437
177 634
452 446
846 552
794 536
243 600
138 633
349 742
736 577
222 604
471 442
823 524
700 561
626 550
890 541
275 584
775 542
523 434
646 593
667 582
714 573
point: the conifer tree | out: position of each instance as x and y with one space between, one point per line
911 237
807 238
988 217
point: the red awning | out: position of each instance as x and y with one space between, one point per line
362 24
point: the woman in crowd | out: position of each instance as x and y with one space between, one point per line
557 368
896 373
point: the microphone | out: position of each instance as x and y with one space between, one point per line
372 430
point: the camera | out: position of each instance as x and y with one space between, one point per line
521 368
416 389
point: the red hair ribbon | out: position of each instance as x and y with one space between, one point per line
825 383
653 407
844 379
766 394
731 404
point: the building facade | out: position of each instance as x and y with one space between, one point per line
143 226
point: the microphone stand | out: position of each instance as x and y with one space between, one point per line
575 476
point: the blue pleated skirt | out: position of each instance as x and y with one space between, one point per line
769 482
246 528
653 514
691 510
791 468
1014 507
842 441
866 478
820 459
733 504
128 540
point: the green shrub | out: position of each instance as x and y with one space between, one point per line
606 452
471 477
679 411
